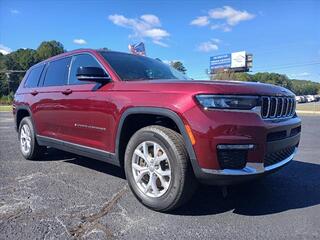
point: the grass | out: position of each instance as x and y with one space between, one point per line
314 106
5 108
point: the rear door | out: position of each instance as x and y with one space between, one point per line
87 113
28 93
49 110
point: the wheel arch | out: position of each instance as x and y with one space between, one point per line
157 112
22 111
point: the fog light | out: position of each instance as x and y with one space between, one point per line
235 146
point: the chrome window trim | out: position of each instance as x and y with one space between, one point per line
93 78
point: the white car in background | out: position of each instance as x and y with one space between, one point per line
298 99
310 98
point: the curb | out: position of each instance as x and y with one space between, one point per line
308 112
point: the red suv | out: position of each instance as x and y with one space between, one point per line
167 131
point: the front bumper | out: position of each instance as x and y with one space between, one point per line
251 168
228 128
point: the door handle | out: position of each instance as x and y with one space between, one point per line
34 92
67 91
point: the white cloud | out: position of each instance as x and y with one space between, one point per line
223 18
5 50
200 21
223 27
151 19
156 33
147 26
305 74
208 46
14 11
162 44
80 41
231 15
216 40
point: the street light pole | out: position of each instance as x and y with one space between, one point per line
8 72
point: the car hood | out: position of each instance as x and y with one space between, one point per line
206 87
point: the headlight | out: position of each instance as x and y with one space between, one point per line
228 102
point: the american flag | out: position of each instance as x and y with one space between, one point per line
137 49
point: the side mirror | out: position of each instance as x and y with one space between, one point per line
92 74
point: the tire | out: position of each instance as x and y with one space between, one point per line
165 192
27 133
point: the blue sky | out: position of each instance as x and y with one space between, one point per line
283 36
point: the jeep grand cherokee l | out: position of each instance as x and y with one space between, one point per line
168 132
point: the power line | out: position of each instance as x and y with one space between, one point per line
286 66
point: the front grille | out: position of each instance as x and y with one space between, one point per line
275 157
232 159
277 107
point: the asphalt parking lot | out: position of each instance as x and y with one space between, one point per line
64 196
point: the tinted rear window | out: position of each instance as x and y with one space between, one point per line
57 72
33 77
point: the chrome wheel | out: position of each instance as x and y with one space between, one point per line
25 139
151 169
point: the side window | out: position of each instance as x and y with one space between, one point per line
57 72
33 77
83 60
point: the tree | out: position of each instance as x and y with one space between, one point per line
22 60
265 77
303 87
179 66
49 49
3 77
233 76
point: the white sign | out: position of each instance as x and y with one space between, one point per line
238 59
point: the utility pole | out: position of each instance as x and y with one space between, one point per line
8 79
7 73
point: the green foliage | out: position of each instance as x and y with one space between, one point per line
6 100
22 60
303 87
233 76
179 66
299 87
49 49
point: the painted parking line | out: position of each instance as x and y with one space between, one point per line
6 120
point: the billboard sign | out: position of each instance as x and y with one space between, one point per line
238 59
220 61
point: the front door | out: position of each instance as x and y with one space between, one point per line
87 114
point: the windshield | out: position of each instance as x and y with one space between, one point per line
131 67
